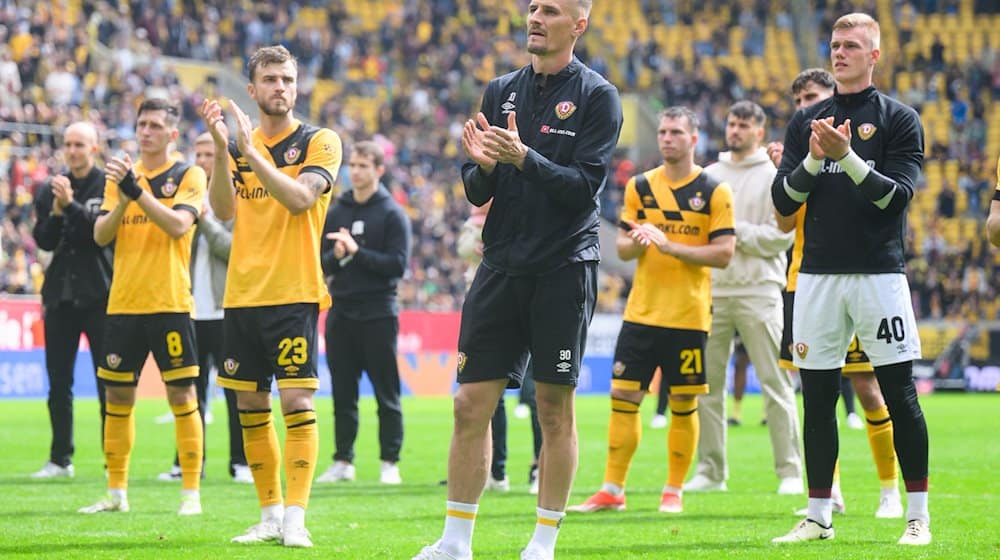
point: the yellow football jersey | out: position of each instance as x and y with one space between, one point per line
667 292
795 260
151 269
275 256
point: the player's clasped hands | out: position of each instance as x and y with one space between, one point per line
650 235
830 141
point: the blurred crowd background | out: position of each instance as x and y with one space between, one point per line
407 73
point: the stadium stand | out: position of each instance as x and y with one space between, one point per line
409 73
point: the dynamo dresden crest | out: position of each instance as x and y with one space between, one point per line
170 187
696 202
564 109
461 361
291 154
801 349
230 365
866 130
114 360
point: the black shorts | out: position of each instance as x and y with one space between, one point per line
128 339
679 353
505 318
856 360
276 341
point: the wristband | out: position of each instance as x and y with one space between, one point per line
129 187
854 166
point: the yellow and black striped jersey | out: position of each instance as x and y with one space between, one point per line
667 292
795 253
275 256
151 268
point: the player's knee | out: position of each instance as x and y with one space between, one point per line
471 412
896 383
120 394
868 391
181 394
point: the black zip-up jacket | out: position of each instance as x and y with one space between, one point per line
546 216
80 271
845 233
364 287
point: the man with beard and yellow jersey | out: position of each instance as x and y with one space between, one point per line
276 181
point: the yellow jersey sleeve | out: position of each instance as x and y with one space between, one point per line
111 196
324 156
191 191
630 204
721 221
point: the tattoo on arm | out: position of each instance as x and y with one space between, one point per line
315 182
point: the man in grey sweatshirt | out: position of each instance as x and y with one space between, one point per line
746 298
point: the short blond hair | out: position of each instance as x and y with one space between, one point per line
862 20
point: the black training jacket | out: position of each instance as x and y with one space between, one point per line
547 215
80 271
364 287
845 233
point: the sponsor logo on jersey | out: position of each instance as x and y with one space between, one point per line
866 130
696 202
114 360
292 154
679 229
546 129
508 105
170 187
461 361
230 365
565 109
801 348
617 369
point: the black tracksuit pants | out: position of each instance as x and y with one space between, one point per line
353 346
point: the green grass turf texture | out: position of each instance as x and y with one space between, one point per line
367 520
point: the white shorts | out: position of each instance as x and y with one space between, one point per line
829 308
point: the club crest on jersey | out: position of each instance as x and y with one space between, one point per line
617 369
292 154
696 202
114 360
801 348
461 361
564 109
866 130
170 187
230 365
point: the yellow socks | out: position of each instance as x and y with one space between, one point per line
119 436
682 439
624 431
190 438
260 441
880 439
301 450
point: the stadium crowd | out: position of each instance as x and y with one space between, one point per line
408 74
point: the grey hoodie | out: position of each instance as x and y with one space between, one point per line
758 265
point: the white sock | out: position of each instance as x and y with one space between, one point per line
916 507
821 511
890 491
295 516
195 493
835 493
672 490
273 513
118 494
459 522
613 489
546 530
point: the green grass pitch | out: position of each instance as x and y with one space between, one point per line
367 520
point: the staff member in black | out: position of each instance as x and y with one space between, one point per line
77 281
366 250
541 150
855 157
